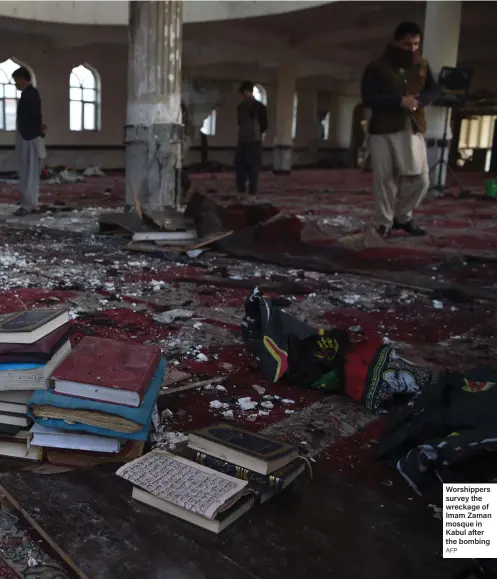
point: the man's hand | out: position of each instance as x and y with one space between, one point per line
409 102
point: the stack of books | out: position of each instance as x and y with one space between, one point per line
230 471
100 402
32 344
269 466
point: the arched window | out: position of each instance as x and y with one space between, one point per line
294 115
9 94
260 94
84 97
325 127
209 125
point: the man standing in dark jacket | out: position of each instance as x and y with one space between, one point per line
396 87
252 124
30 145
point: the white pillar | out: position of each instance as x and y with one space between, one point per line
440 47
153 127
341 118
283 140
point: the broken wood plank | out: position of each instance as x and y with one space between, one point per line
136 202
209 239
170 220
45 536
191 386
174 376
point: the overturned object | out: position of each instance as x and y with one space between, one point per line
286 346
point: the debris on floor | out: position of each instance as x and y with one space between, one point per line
387 300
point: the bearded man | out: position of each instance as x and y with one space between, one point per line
397 87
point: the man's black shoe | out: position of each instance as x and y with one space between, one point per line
410 227
384 231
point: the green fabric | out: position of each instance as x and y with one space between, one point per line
330 382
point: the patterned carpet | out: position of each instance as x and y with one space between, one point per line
21 552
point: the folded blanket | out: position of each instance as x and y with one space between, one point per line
101 418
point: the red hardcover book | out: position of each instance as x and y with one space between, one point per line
107 371
39 352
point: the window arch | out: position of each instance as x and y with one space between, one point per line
9 94
84 99
260 94
294 115
209 125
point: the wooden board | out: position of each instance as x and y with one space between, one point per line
130 222
179 247
89 514
169 220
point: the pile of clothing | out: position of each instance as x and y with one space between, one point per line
442 427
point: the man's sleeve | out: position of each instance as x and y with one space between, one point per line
430 91
372 95
263 122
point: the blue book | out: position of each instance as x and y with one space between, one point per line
16 366
140 416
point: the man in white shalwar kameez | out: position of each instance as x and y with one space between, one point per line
30 142
396 87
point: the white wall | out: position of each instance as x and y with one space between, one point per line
52 70
105 147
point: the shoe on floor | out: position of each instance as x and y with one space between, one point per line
410 228
21 212
384 231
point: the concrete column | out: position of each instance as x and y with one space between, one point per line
341 120
153 127
283 140
441 50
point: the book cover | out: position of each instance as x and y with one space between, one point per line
110 364
39 352
255 445
7 430
275 481
28 321
183 483
140 417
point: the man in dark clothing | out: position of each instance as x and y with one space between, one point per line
30 145
252 124
396 87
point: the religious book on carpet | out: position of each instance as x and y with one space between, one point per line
25 376
56 438
107 371
70 413
265 485
187 490
246 449
130 450
29 326
18 446
39 352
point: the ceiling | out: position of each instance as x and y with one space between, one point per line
332 41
